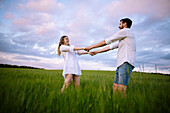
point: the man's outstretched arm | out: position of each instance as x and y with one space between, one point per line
99 51
99 44
107 48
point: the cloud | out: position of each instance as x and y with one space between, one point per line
46 28
84 24
166 56
42 6
21 46
48 63
144 14
19 23
36 47
30 22
38 29
9 16
144 7
33 28
34 61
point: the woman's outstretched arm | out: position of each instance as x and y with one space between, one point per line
65 48
82 52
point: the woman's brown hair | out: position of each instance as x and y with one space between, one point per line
61 43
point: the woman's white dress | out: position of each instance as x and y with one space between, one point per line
71 65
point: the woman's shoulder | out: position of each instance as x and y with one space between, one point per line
66 46
63 46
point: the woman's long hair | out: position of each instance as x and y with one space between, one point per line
61 43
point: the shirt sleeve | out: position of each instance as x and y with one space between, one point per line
114 46
118 36
76 52
65 48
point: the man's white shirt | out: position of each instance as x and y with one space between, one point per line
126 46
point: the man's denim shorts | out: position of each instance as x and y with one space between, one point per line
123 74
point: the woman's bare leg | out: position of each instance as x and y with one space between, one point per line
67 81
76 79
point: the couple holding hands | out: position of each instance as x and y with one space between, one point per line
125 56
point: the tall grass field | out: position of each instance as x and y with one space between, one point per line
39 91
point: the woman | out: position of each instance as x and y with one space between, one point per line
71 67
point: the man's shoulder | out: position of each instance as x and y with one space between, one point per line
123 31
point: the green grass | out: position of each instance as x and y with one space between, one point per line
38 91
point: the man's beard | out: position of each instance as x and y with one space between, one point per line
121 27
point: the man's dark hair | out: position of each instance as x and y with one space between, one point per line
128 21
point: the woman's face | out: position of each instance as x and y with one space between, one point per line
66 41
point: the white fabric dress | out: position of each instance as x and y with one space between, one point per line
71 65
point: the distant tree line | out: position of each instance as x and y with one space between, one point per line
16 66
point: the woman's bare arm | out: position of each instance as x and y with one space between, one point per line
82 52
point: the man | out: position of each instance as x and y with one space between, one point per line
125 56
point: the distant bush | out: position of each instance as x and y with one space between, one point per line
16 66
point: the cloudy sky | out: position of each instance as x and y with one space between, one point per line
30 31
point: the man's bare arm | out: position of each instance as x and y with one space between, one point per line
99 44
79 48
99 51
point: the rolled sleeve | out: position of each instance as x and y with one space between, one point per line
114 46
118 36
107 40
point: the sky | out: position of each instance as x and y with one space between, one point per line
30 31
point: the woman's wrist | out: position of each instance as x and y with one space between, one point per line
96 52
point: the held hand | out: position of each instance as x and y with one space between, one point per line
92 53
83 48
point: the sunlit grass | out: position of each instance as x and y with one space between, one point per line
38 91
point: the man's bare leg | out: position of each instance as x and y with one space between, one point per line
122 89
115 87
